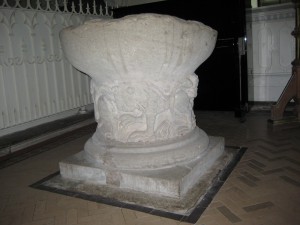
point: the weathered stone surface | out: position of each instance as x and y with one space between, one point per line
142 70
143 85
174 181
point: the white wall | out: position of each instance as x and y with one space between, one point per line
36 80
271 49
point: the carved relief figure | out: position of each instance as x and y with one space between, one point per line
144 111
183 105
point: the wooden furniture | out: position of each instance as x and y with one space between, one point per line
292 89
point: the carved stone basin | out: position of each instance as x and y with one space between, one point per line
143 85
140 47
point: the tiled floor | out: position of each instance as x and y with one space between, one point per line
263 189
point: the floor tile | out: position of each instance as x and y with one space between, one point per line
263 189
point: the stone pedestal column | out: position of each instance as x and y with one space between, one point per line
143 85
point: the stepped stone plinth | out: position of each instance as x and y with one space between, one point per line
143 85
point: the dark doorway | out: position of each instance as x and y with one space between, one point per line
223 76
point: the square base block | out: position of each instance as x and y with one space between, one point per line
176 189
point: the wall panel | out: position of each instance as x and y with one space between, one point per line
36 80
271 49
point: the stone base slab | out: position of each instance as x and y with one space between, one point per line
198 196
172 182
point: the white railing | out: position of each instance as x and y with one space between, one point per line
86 7
36 81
